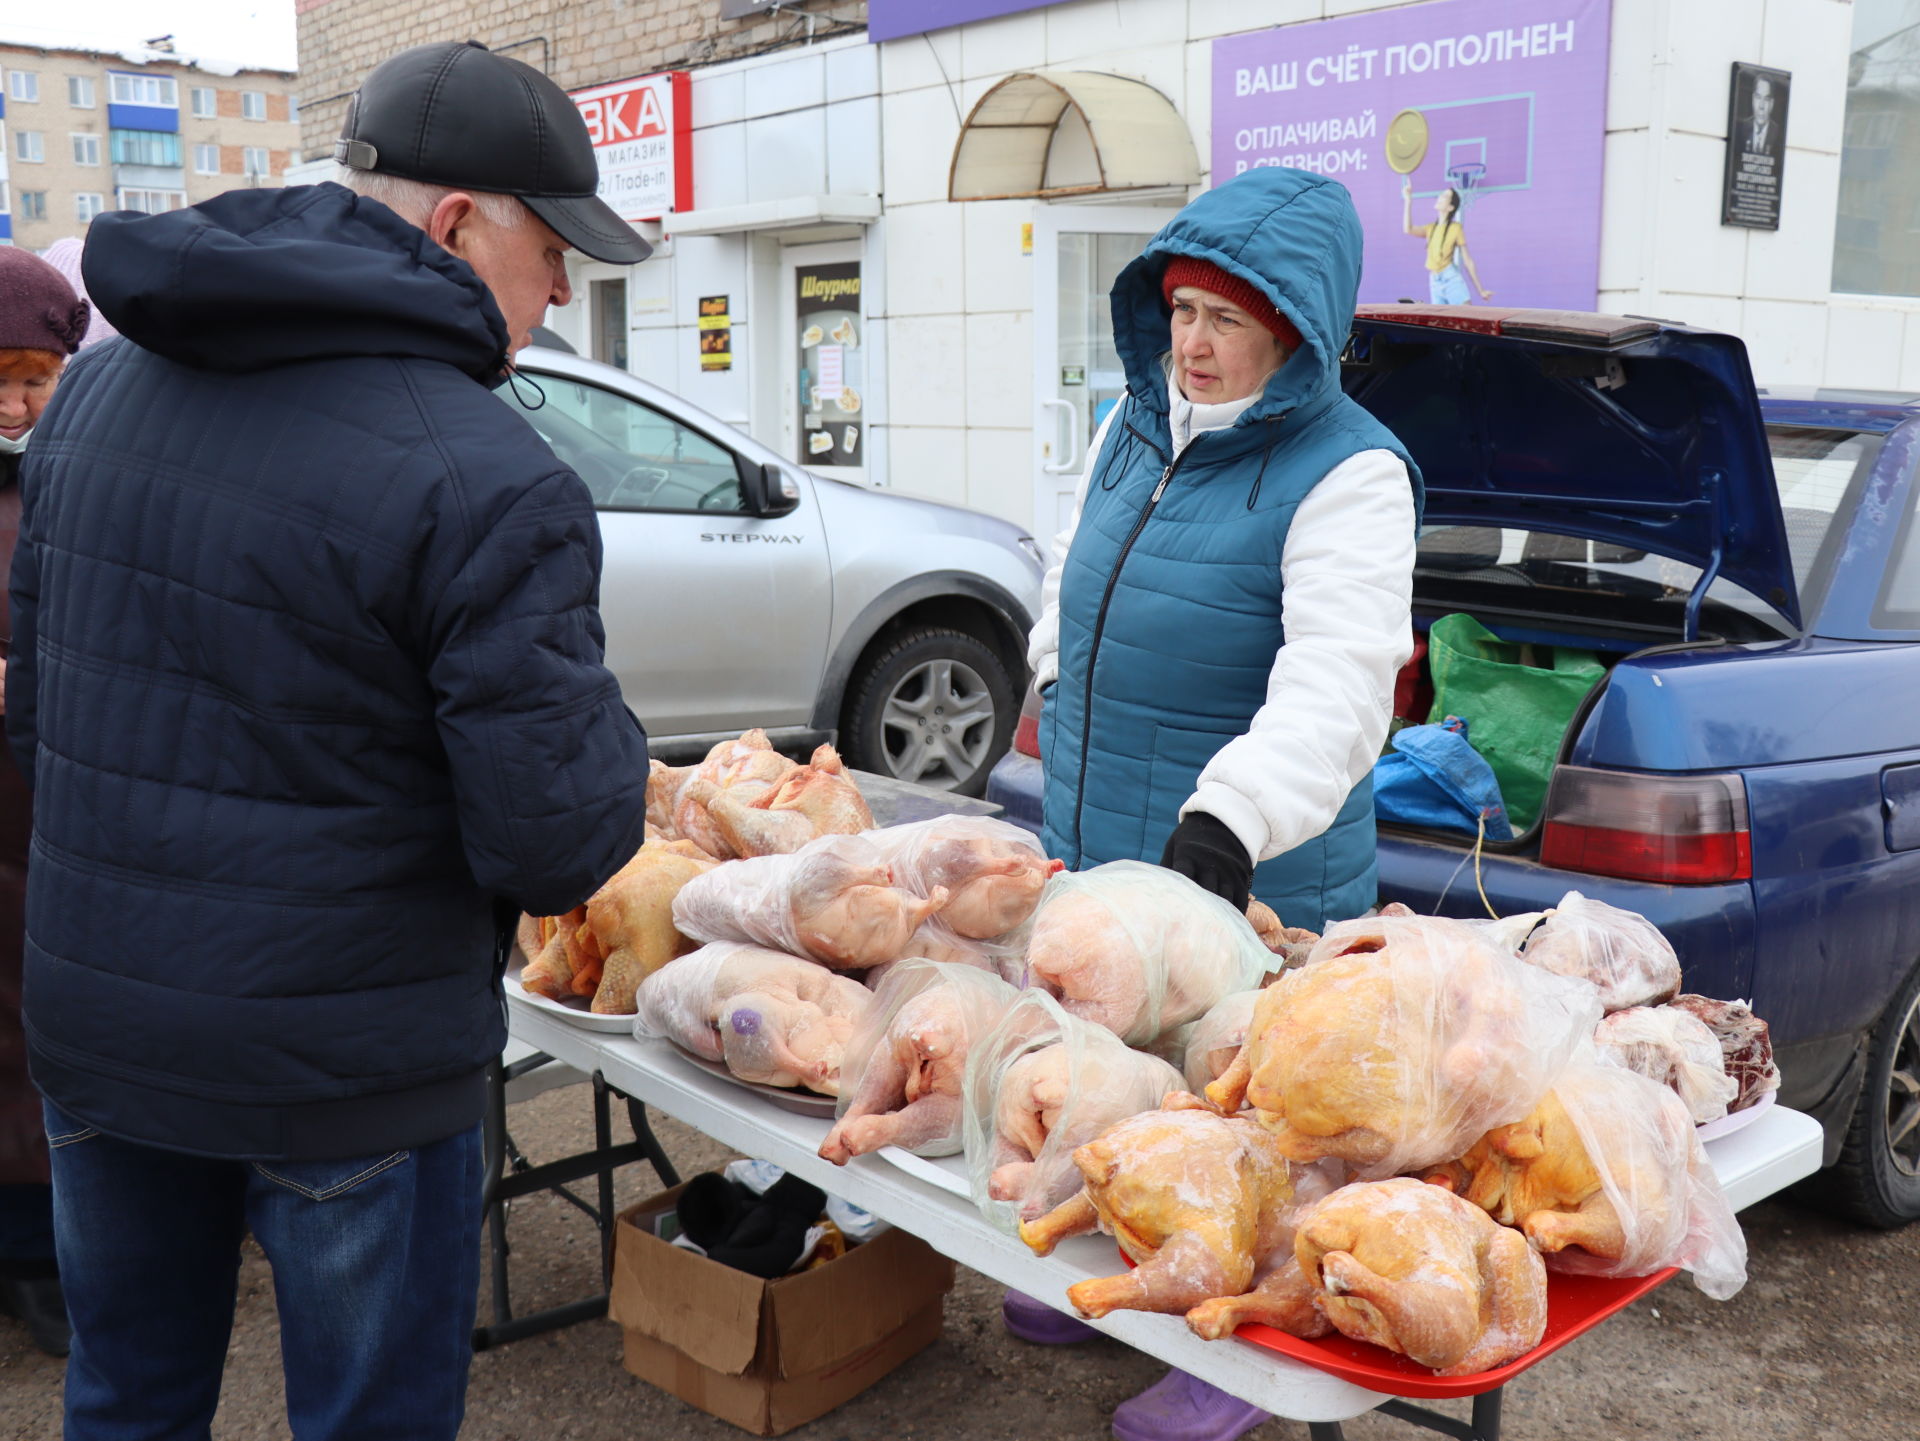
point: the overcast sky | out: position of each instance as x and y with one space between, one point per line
248 32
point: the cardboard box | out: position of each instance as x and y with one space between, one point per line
771 1355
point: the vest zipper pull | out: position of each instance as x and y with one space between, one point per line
1161 489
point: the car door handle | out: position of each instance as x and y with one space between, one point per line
1072 460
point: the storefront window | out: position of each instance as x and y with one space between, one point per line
1876 247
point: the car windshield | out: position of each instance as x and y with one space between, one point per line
1636 593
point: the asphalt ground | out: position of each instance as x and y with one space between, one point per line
1824 1342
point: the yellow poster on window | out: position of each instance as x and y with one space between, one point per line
716 333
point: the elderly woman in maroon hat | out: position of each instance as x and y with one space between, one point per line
42 322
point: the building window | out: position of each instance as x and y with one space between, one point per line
146 147
30 146
86 206
80 92
160 90
1873 249
152 202
254 159
293 111
206 159
23 85
253 104
33 205
86 149
204 104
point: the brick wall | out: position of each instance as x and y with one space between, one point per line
586 41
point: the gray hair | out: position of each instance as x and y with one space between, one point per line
413 200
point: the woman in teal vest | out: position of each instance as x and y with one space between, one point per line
1227 612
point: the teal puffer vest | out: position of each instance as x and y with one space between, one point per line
1171 597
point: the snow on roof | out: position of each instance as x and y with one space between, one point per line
139 54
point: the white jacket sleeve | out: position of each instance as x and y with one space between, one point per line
1347 570
1043 646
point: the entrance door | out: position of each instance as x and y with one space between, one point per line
1078 252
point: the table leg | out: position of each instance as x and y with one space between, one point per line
1326 1431
1485 1425
603 1144
1486 1413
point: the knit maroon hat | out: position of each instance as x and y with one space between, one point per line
38 309
1205 275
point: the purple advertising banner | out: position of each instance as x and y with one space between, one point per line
890 19
1472 144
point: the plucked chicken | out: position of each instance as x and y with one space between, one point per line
623 934
832 901
1746 1049
1290 943
749 765
1622 953
768 1017
1139 949
1675 1048
993 872
1401 1057
1216 1039
817 799
1415 1269
902 1075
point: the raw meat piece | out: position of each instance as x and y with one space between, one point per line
832 901
1746 1050
1041 1083
556 954
1202 1204
817 799
1416 1270
1401 1057
992 872
1676 1049
749 765
902 1074
1622 953
1606 1176
631 918
767 1017
1140 949
1290 943
1217 1038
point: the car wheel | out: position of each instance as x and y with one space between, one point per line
932 706
1877 1178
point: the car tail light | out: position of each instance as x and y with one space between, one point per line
1679 830
1026 734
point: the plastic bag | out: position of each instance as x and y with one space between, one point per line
1746 1047
1401 1056
832 900
1606 1177
767 1016
1216 1039
1370 933
902 1072
1674 1048
1140 949
993 872
1518 712
1621 952
1037 1085
1435 779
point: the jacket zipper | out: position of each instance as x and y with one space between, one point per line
1100 622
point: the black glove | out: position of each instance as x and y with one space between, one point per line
1206 852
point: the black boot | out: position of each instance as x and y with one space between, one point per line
43 1309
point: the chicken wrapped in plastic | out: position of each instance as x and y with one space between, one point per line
1401 1057
748 766
1140 949
1414 1269
1216 1039
992 872
1676 1049
1746 1048
766 1016
817 799
903 1071
1039 1084
1621 952
1607 1177
833 901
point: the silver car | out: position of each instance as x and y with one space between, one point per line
741 590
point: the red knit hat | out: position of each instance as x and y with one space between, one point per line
1205 275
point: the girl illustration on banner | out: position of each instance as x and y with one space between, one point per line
1449 265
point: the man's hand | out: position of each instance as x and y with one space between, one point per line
1206 852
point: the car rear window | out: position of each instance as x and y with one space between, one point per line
1899 605
1636 593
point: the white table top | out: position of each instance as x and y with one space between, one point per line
1778 1149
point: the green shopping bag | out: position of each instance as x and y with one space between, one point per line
1516 712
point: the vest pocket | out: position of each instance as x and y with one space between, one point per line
1180 753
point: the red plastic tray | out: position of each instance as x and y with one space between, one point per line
1575 1304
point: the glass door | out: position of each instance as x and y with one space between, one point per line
1078 252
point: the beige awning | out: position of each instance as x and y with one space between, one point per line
1070 132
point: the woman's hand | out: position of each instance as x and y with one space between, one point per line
1206 852
1486 295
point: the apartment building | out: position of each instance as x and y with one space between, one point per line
146 129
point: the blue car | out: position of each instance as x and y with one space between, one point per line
1746 566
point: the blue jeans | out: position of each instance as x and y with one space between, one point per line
376 1264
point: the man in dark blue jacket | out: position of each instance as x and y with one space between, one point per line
307 671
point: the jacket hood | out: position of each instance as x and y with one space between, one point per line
1295 237
258 278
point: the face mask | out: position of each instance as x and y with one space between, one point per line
14 447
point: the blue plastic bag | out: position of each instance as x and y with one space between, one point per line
1437 780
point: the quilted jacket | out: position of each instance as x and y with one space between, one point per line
307 674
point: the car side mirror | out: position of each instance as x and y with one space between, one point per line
769 491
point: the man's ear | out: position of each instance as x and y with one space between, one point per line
450 226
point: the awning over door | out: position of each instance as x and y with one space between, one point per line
1070 132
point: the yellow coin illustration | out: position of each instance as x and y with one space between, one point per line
1407 141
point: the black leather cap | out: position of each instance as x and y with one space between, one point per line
457 114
